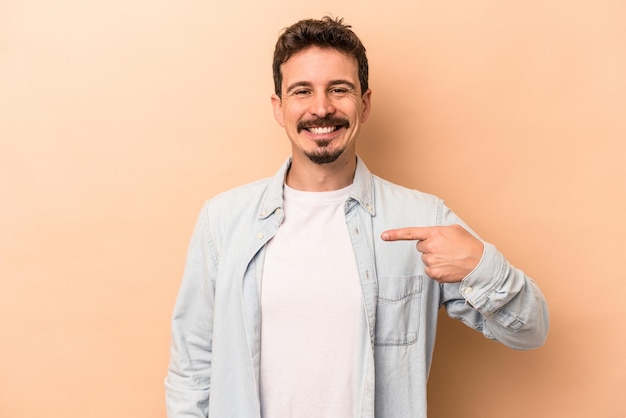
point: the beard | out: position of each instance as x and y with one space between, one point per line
323 155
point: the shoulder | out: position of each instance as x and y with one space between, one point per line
400 205
247 191
238 199
233 212
388 190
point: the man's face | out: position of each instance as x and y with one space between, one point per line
322 106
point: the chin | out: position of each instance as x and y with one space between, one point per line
324 157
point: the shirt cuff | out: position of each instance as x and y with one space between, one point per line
486 277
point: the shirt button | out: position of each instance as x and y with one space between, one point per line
279 211
260 235
468 290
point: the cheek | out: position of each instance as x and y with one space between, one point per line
291 117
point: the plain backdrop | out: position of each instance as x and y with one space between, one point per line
119 118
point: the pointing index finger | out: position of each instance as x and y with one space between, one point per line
413 233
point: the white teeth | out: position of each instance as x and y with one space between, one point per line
322 130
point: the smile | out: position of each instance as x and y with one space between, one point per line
322 130
323 126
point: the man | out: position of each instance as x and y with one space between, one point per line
304 295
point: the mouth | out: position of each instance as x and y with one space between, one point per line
322 130
323 126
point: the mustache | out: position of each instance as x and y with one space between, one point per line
323 122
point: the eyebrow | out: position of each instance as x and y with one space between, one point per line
297 84
346 82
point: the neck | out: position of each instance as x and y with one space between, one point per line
306 175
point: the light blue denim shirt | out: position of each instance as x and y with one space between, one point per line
214 365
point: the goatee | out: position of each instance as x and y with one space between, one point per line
323 155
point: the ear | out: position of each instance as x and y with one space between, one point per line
277 104
367 105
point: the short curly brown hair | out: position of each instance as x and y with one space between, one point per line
326 32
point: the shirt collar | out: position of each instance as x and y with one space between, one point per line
362 190
363 187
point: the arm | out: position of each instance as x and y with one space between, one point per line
500 301
188 379
478 284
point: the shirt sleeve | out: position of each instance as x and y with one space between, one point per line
498 299
188 378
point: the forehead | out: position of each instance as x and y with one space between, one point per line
315 63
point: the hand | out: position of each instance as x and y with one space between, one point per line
449 253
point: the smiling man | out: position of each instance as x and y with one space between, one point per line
315 293
321 107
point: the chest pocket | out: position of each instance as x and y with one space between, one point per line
398 310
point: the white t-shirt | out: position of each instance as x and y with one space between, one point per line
313 324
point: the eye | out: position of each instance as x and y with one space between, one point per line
301 92
339 91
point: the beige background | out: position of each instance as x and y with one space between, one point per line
119 118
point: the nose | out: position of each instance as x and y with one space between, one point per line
321 105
